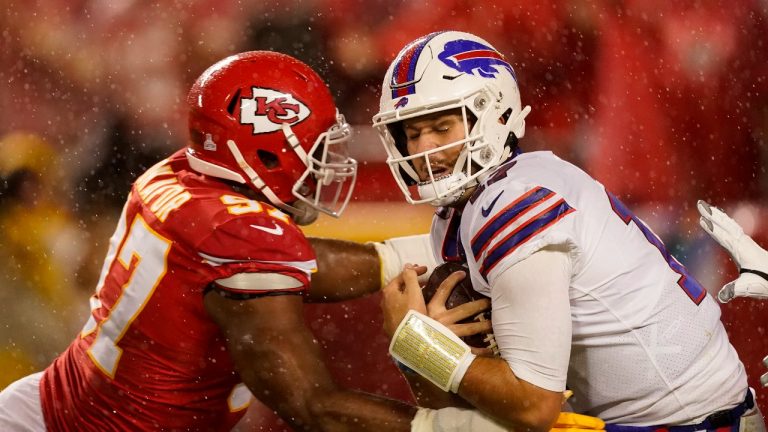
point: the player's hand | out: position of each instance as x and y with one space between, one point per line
437 310
751 259
400 295
572 422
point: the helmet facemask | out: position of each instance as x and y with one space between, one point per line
330 173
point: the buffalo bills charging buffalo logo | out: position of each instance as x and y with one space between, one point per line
472 57
401 103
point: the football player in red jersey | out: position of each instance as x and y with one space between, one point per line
200 296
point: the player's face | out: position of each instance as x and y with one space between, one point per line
434 131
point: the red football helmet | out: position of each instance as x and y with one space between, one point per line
267 120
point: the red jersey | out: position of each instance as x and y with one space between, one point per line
150 357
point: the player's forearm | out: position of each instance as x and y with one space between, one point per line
345 270
344 410
492 387
429 395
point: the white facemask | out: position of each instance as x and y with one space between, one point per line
443 191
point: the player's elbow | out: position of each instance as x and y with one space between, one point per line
535 415
535 420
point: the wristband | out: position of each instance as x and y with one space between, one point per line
394 253
431 350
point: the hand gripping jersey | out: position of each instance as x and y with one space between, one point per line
647 345
149 357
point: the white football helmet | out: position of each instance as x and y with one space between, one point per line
443 71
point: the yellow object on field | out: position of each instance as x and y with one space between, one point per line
572 422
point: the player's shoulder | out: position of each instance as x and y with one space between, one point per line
243 228
219 220
527 179
514 210
541 167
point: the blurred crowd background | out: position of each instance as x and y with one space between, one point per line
665 102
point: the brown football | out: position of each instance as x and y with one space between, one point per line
462 293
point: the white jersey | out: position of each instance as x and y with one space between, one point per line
647 344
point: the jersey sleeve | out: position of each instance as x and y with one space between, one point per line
258 254
536 345
511 221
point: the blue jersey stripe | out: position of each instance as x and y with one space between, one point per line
507 216
516 238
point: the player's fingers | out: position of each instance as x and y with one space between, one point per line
717 233
471 328
717 222
413 292
462 312
411 280
487 352
394 286
469 309
706 225
764 377
749 285
419 269
446 288
704 208
726 293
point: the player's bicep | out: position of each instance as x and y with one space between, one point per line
531 317
273 351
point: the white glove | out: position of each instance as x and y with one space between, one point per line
764 377
398 251
751 259
453 420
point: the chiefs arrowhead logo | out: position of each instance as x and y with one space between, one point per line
268 109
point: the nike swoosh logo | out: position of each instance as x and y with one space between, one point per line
276 230
487 211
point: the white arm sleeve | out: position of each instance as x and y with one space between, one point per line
394 253
453 420
532 317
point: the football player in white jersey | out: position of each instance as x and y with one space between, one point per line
583 293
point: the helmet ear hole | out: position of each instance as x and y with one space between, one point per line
505 117
233 102
268 159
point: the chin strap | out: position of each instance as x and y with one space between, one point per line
440 187
262 187
253 176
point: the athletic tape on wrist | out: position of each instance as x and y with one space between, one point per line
398 251
431 350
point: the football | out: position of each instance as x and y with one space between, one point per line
462 293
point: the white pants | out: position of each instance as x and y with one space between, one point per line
20 409
752 420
